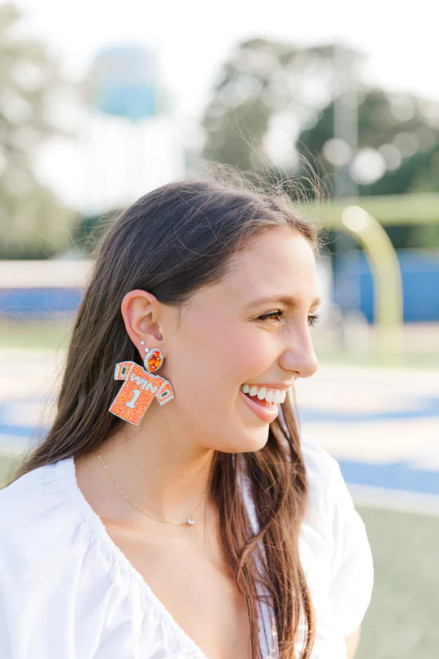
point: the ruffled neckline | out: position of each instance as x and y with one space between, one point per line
99 527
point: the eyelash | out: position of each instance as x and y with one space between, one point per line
280 313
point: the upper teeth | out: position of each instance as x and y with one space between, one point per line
270 395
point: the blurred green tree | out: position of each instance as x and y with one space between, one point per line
33 222
274 106
90 228
398 142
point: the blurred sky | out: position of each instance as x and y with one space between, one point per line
193 38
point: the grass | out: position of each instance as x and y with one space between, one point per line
406 359
401 622
8 466
50 334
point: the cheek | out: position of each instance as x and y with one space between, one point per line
255 354
232 356
250 353
214 369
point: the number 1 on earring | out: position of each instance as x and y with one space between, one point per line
132 403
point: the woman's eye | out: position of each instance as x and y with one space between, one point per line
313 319
273 315
276 316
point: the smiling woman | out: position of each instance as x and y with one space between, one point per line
200 524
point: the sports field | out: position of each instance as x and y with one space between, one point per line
382 424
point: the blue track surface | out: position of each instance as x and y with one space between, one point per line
395 476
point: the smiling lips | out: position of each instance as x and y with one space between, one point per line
267 394
263 401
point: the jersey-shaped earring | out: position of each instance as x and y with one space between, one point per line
140 387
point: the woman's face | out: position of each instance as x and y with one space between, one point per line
223 341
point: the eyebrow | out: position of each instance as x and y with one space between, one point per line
287 300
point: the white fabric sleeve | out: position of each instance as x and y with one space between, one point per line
352 574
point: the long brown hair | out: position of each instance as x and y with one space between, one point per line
171 242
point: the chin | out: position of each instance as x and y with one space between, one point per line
257 446
250 442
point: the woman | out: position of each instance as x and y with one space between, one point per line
199 524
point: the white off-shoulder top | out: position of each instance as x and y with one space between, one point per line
67 591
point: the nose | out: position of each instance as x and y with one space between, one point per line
298 356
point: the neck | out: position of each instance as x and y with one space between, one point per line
165 477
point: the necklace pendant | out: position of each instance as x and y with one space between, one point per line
190 521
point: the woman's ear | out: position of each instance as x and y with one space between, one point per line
141 314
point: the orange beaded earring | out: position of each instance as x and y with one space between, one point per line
140 387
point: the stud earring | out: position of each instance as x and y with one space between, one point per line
140 387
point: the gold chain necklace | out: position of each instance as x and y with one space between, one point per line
187 522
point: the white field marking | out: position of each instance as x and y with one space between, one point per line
379 442
402 501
